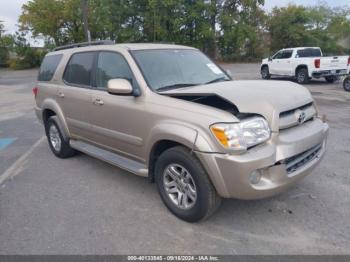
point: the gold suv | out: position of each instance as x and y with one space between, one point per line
169 113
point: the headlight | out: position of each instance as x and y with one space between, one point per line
240 136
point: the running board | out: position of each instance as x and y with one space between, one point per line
110 157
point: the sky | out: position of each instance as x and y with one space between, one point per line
11 9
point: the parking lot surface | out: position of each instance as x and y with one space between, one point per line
84 206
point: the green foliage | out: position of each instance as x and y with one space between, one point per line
6 44
242 30
26 56
309 26
224 29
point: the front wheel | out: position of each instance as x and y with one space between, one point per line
302 76
265 73
184 185
346 84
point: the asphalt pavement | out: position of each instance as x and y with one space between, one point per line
84 206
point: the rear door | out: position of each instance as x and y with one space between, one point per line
75 96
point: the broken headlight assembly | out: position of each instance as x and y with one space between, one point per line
243 135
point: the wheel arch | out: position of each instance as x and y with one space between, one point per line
264 65
168 135
300 67
157 149
51 108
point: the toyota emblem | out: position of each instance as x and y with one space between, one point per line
300 116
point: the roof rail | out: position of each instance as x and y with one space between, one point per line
102 42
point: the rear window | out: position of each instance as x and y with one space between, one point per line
79 69
48 67
309 52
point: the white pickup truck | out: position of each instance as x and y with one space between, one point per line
304 63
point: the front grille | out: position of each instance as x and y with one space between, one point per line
295 162
290 118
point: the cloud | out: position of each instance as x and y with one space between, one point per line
269 4
10 10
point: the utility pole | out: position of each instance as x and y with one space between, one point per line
85 20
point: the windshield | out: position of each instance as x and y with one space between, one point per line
166 69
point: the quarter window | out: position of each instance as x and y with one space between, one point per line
110 66
48 67
79 68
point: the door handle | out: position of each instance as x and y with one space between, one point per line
60 94
98 101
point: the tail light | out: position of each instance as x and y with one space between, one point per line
35 91
348 60
317 63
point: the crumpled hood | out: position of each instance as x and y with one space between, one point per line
267 98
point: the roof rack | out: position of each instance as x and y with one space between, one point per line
102 42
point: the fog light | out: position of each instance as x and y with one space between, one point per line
255 177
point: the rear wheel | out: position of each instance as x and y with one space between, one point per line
346 84
58 145
302 76
265 73
184 185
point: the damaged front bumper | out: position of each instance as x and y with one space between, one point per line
270 168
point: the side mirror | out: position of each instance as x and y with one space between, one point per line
228 72
119 86
270 59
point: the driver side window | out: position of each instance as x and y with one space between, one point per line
111 65
278 55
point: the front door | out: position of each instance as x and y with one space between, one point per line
274 65
116 119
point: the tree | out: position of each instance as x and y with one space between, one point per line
287 27
311 26
44 17
242 28
6 44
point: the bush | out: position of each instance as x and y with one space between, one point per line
4 54
30 58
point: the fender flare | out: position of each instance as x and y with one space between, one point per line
263 66
52 105
301 66
186 135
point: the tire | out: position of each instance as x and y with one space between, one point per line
265 73
302 76
330 79
346 84
183 165
58 145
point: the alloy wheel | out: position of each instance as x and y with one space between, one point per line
179 186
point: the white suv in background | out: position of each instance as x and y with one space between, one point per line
305 63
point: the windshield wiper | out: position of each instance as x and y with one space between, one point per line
219 79
169 87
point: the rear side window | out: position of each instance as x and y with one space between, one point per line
309 52
111 65
79 69
48 67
